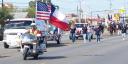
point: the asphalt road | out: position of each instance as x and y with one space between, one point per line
111 50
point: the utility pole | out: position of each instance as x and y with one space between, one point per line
110 5
91 16
80 10
125 13
77 11
125 7
2 3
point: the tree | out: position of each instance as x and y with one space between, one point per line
31 10
32 4
4 15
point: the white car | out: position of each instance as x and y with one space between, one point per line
79 31
13 28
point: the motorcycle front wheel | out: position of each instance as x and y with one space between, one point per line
25 53
35 56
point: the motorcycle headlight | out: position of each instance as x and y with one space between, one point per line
34 51
19 34
34 43
38 35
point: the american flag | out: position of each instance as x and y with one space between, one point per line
43 11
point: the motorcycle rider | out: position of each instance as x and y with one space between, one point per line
33 37
34 31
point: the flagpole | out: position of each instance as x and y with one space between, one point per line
47 21
36 10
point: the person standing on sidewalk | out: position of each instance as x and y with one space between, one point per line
98 33
72 32
84 28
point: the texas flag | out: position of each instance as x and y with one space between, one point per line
58 19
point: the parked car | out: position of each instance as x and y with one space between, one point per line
14 27
79 31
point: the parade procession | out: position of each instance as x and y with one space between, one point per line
63 32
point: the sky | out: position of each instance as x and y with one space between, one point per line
70 6
18 3
89 5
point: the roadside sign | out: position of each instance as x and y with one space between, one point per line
122 11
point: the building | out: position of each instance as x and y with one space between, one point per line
7 4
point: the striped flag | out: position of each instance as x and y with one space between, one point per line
58 19
109 17
43 11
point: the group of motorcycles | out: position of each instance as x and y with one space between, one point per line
32 46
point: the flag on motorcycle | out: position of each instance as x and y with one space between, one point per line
43 11
58 19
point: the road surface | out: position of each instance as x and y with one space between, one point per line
111 50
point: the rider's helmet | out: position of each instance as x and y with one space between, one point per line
33 25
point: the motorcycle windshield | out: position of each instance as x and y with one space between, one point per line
28 38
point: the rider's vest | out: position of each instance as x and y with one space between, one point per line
34 31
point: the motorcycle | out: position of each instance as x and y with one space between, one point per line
31 47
